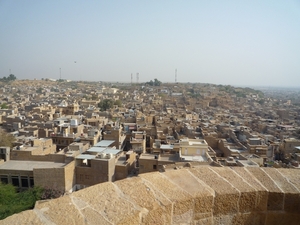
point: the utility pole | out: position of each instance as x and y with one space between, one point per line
175 76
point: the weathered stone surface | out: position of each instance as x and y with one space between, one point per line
205 221
183 202
48 211
292 176
157 208
202 194
27 217
261 191
276 195
279 218
223 219
93 218
247 193
109 201
205 195
226 196
291 193
255 218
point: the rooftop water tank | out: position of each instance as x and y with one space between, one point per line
73 122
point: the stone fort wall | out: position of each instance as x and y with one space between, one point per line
203 195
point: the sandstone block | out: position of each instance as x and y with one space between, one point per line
261 192
183 203
226 196
276 196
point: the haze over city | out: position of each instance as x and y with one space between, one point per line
222 42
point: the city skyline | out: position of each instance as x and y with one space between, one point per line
231 43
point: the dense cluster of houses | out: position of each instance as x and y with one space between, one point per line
64 141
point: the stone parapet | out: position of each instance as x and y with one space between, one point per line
203 195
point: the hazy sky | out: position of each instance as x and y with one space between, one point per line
222 42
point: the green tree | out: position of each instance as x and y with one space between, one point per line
151 83
94 97
4 106
106 104
12 202
6 139
191 90
154 83
157 82
39 90
54 89
118 103
11 77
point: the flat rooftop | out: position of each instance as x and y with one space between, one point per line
96 149
121 161
197 158
104 143
104 150
234 150
29 165
169 158
85 156
248 163
26 148
166 147
148 156
112 151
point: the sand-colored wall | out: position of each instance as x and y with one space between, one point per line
62 179
70 178
53 178
122 171
27 156
99 171
203 195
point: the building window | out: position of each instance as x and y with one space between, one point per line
4 179
31 181
15 181
24 182
154 167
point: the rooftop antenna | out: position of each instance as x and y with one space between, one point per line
131 79
175 75
60 73
79 73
